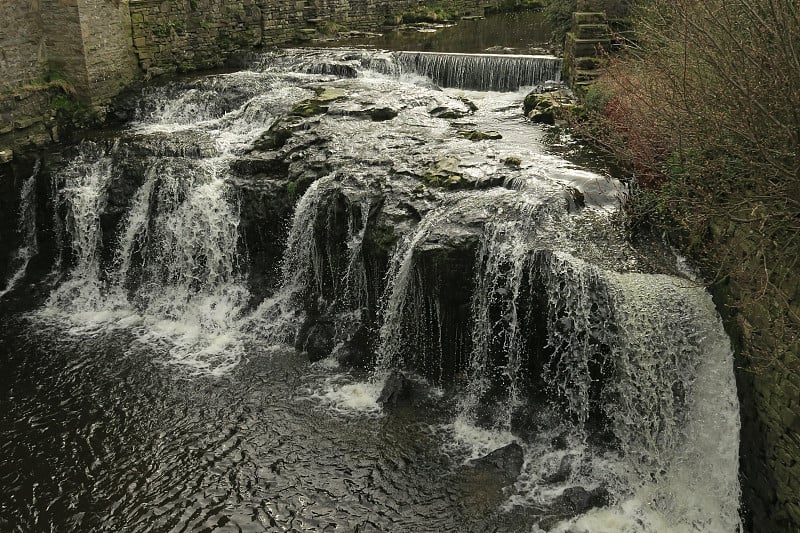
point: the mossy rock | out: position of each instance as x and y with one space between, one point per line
381 114
548 107
476 135
318 105
277 134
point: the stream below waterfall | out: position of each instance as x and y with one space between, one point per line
242 267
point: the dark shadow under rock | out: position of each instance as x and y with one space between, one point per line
572 502
563 472
396 391
354 351
316 338
505 462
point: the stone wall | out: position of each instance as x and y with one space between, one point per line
105 27
89 50
765 334
22 51
22 64
78 50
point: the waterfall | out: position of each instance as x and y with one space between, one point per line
511 291
322 269
498 346
482 72
81 197
412 312
26 228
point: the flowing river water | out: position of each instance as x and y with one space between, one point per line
156 385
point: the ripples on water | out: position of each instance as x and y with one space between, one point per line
95 437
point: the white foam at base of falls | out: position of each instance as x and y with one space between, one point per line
469 441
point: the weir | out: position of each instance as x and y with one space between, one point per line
251 256
481 72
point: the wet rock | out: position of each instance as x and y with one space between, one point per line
548 107
572 502
316 338
449 172
341 70
354 351
476 135
276 136
447 112
453 109
575 199
505 462
577 500
320 104
563 472
560 442
380 114
396 390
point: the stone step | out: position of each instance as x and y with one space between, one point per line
588 18
592 31
585 47
585 75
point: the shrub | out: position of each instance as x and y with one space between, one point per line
705 112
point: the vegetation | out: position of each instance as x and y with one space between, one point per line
432 13
705 112
558 17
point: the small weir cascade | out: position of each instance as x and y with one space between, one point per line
352 289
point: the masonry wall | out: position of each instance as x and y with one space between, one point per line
78 50
105 29
23 68
22 51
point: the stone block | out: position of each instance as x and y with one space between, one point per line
592 31
588 18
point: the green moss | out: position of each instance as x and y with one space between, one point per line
330 27
429 13
510 6
475 135
72 113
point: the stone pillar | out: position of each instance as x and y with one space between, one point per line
109 61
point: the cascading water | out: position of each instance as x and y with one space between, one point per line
27 230
481 72
518 309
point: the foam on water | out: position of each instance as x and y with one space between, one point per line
470 441
344 397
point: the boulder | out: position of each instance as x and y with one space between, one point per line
572 502
505 462
316 338
475 135
396 390
548 107
563 472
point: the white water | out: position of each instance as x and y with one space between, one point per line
176 279
26 227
